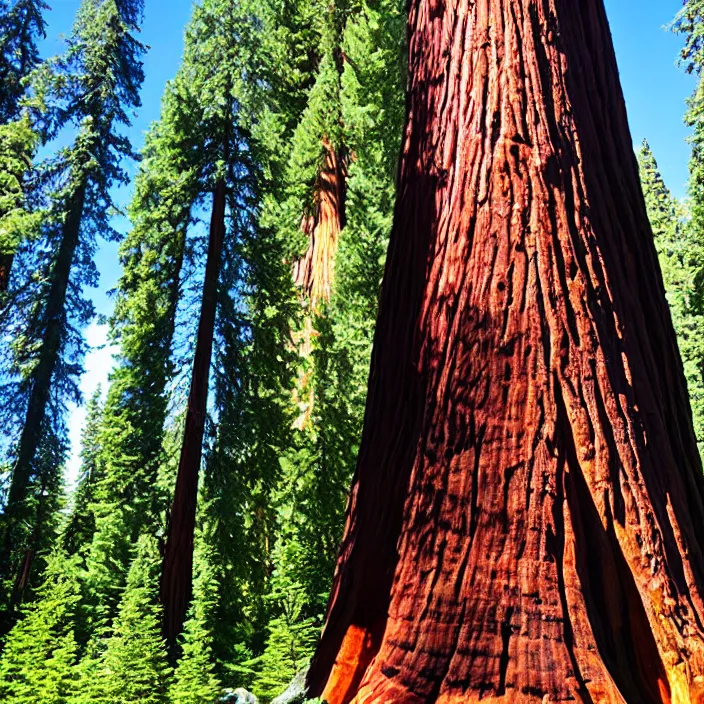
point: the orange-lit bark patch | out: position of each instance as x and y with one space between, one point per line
356 653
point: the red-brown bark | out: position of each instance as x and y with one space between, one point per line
526 519
177 568
314 273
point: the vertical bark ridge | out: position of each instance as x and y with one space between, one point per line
177 569
525 517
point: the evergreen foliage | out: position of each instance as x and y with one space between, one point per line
134 665
131 432
682 262
267 91
90 90
195 681
36 664
21 26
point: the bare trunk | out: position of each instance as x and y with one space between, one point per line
526 518
176 576
314 273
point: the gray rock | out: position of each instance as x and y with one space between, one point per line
296 692
237 696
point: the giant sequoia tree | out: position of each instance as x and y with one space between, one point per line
525 520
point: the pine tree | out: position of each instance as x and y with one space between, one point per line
92 87
40 651
356 104
18 144
134 667
215 57
21 26
81 522
682 263
195 681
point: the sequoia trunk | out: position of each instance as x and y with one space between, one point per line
176 576
526 519
314 272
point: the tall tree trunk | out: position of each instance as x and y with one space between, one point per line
32 429
177 569
527 516
315 271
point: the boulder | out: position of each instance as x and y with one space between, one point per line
237 696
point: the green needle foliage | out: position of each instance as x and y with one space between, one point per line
36 665
131 434
682 263
135 667
195 681
89 90
21 26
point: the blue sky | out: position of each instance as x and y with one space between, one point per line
655 90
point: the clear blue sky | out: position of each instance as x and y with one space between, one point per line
654 86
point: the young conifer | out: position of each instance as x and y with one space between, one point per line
39 653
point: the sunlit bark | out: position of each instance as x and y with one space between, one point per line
526 519
314 272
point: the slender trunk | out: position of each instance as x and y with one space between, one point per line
176 576
6 261
525 523
41 378
25 570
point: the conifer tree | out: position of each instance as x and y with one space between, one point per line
195 681
131 434
18 144
682 264
81 523
356 103
40 651
214 62
527 427
22 24
134 665
91 87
